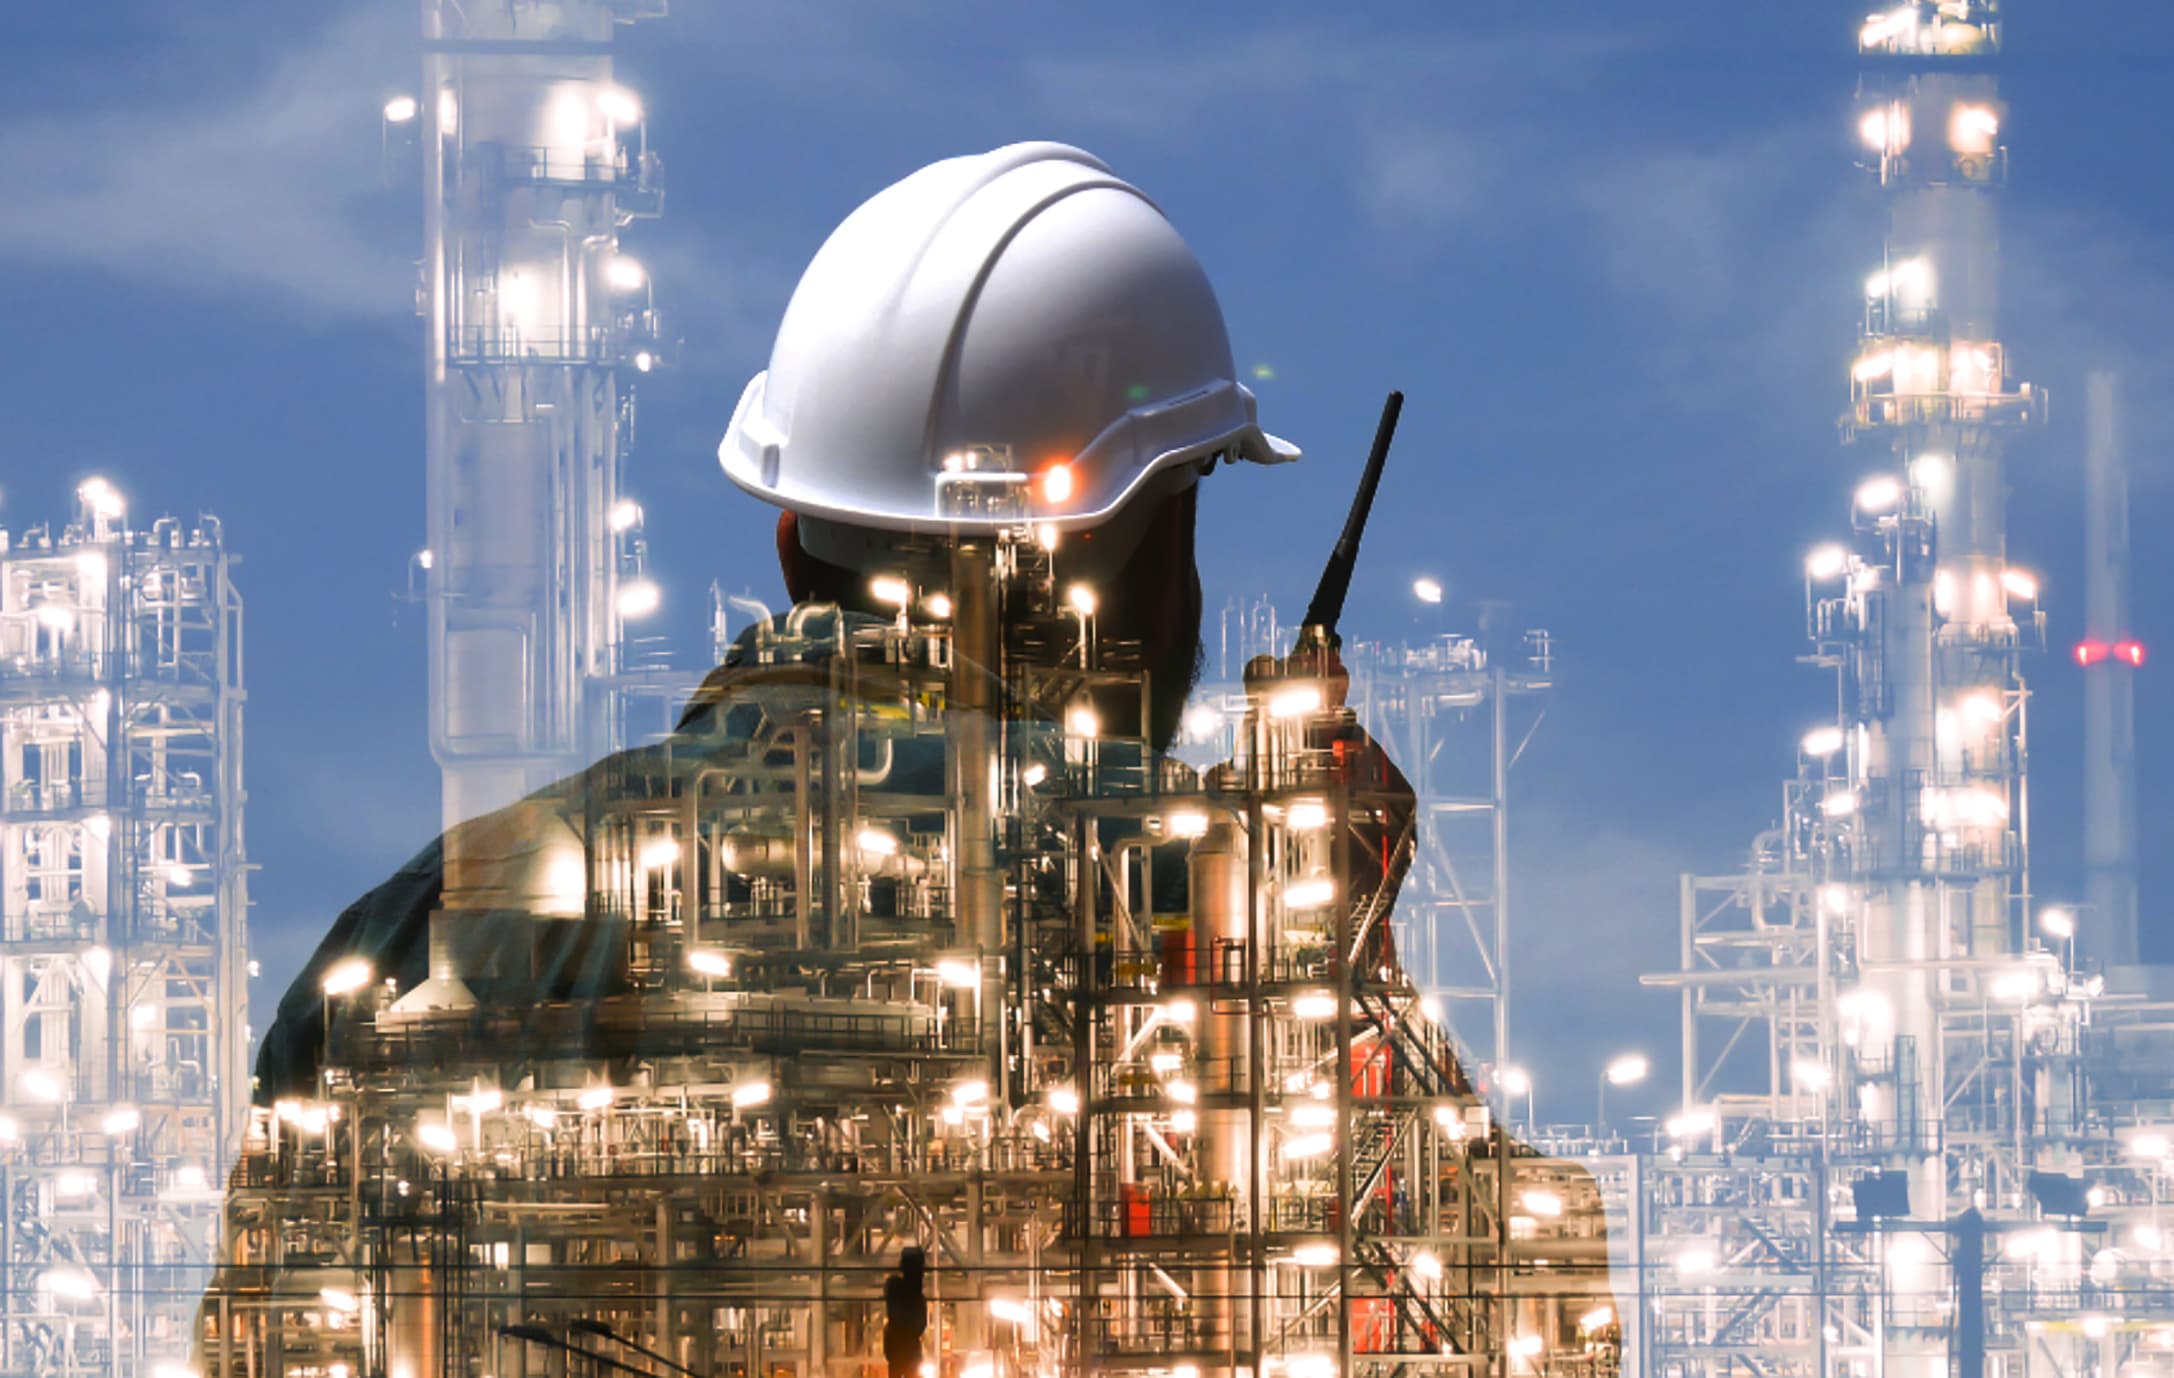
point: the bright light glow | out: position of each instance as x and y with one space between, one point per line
1046 536
1839 803
101 497
619 105
2031 1244
1809 1075
1082 599
73 1184
1874 366
11 1129
1426 1265
1427 590
625 515
1011 1311
1526 1346
2096 1327
876 842
1691 1122
1983 709
937 605
889 588
2020 585
1883 28
2147 1237
346 976
970 1093
400 109
1823 741
340 1300
1314 1005
625 274
1545 1204
1313 1115
542 1116
1295 700
42 1085
749 1094
1826 562
658 853
90 567
1082 721
68 1284
979 1368
122 1119
1306 815
55 617
1514 1081
1187 823
2150 1145
1887 129
596 1098
644 361
1599 1318
436 1137
1834 899
958 973
1033 775
1180 1011
1203 720
1628 1070
1879 493
306 1117
1313 893
1310 1366
1972 129
708 961
639 598
173 1370
2018 984
1064 1100
1056 484
2057 923
1695 1261
1183 1092
1319 1254
1306 1146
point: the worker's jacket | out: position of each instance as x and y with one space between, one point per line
645 977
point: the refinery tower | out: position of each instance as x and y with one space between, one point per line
123 974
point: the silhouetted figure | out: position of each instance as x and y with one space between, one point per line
905 1314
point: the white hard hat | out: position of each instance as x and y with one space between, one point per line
1010 337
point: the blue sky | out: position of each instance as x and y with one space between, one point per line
1610 252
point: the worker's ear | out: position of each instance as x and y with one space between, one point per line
792 560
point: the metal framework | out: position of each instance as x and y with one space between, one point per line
1897 1152
1126 1048
123 968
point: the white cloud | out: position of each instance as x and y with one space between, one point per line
266 190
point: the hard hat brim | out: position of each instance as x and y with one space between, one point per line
986 491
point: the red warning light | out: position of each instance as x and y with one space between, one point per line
2130 653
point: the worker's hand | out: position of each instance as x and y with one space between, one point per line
1320 665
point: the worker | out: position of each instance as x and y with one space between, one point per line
1015 340
905 1314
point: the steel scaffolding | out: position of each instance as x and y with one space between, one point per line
123 966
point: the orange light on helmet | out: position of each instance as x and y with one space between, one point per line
1056 484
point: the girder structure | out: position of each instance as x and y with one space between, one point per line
1456 716
1127 1048
123 963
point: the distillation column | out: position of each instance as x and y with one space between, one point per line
532 162
1933 700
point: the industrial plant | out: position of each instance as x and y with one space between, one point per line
124 1022
906 932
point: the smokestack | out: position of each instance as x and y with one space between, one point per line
2110 657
